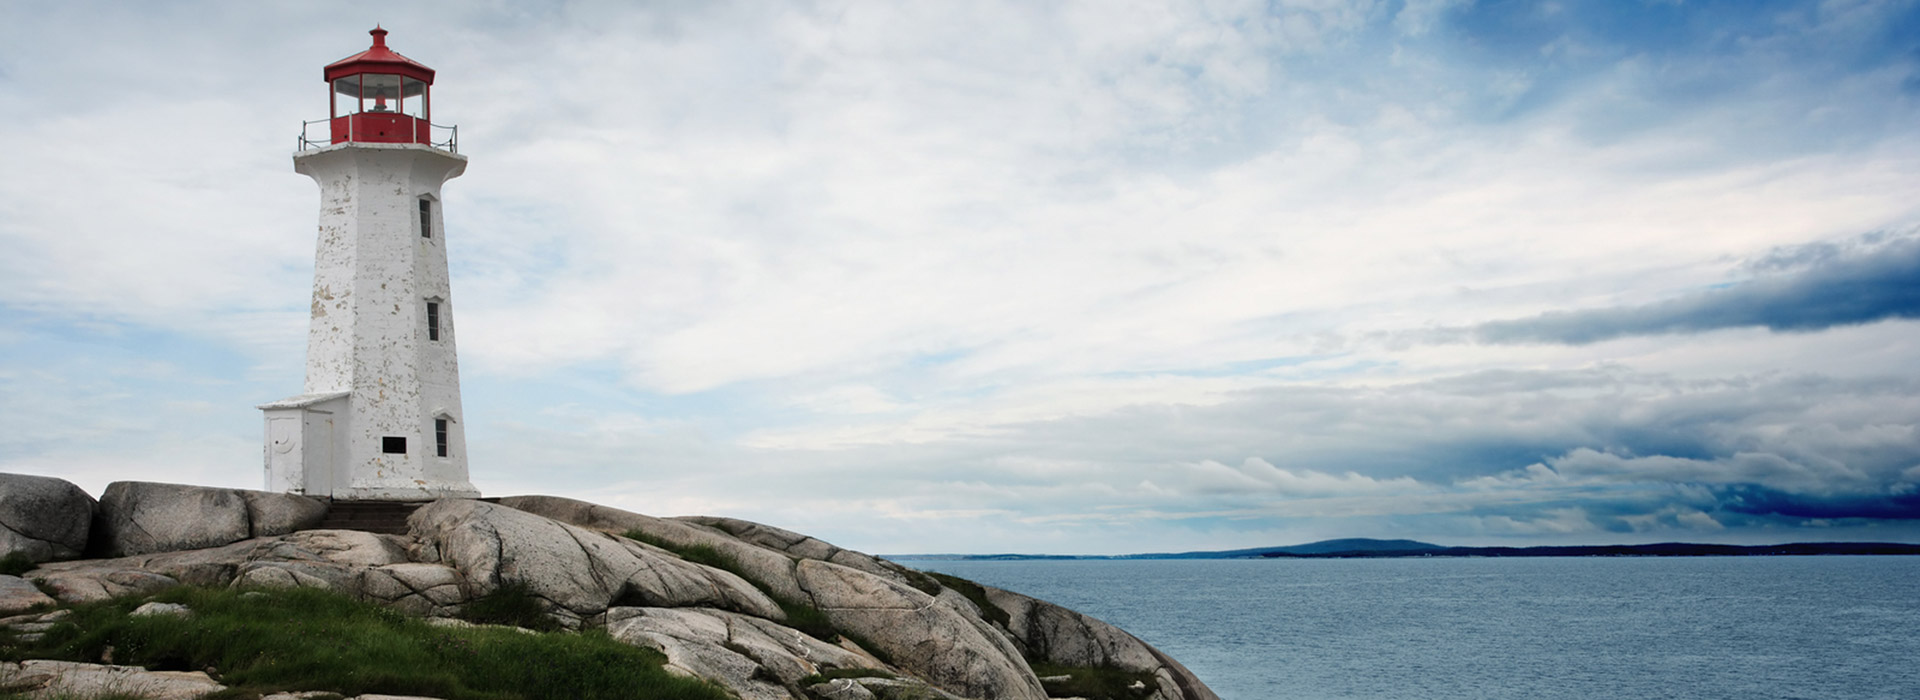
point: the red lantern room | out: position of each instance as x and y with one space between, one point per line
382 97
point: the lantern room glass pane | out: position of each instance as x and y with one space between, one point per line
413 97
379 92
346 96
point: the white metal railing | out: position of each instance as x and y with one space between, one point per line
450 144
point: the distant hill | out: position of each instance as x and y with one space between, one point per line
1347 546
1354 548
1664 549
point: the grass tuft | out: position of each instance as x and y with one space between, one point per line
309 639
513 604
1095 683
16 563
916 578
977 594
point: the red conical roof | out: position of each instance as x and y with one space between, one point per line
379 59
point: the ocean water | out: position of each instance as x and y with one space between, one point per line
1597 627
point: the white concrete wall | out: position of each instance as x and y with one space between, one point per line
373 276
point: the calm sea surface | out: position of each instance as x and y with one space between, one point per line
1708 627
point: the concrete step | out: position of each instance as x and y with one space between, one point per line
382 517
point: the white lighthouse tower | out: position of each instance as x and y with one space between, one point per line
380 417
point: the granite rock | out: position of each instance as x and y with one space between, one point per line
43 518
139 517
73 679
579 573
17 595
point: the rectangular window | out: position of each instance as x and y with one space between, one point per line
426 218
433 320
393 445
440 436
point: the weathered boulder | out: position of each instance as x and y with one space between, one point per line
95 585
801 546
767 567
271 513
1054 634
840 689
18 596
43 518
426 590
753 657
159 609
579 572
332 559
906 689
910 628
38 678
31 627
138 517
695 644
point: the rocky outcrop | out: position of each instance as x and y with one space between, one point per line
332 559
1050 633
769 568
723 599
800 546
920 634
427 590
756 658
912 629
43 518
579 572
138 517
18 596
69 679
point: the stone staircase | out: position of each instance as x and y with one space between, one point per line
382 517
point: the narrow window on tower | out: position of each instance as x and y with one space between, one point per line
440 436
426 218
433 320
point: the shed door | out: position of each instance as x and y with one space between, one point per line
320 477
284 453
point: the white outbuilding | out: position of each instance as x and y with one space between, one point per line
380 418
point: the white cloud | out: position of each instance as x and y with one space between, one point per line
1012 269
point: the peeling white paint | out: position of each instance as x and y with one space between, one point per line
372 370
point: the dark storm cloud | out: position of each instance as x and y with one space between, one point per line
1809 288
1754 499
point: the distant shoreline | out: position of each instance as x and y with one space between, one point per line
1400 549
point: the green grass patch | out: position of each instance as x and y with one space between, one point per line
975 593
808 619
800 616
16 563
1095 683
639 535
308 639
835 673
512 604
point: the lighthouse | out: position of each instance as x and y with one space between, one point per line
380 415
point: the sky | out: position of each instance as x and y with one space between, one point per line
1041 277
